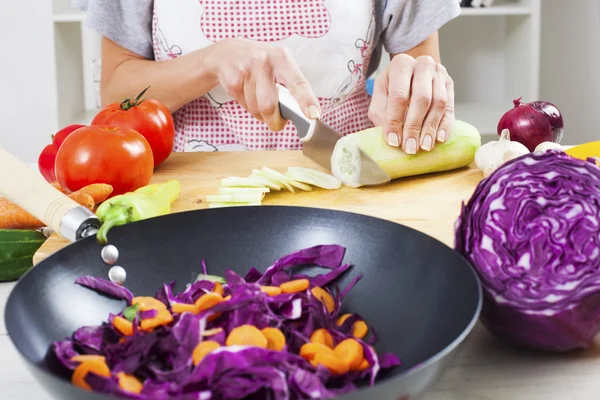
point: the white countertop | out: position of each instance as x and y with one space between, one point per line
483 370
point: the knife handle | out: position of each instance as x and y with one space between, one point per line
29 190
290 109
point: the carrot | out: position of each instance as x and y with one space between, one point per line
95 366
218 289
295 286
207 301
271 290
211 332
148 303
246 335
351 352
203 349
129 383
163 317
340 321
84 199
309 350
122 325
359 329
322 336
87 357
59 188
335 365
324 298
180 308
228 297
275 339
364 365
98 191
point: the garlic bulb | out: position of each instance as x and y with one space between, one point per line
545 146
490 156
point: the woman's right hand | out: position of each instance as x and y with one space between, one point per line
248 71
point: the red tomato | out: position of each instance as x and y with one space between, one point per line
102 154
149 117
48 154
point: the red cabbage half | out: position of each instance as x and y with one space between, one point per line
532 232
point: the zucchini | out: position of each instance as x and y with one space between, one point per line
17 247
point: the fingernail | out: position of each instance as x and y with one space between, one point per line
426 145
411 146
393 139
442 135
313 111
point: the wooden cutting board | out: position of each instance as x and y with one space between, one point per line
429 203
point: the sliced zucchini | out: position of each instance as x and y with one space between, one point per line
276 175
234 181
314 177
220 205
273 185
266 175
242 190
235 198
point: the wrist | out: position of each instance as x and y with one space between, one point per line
205 72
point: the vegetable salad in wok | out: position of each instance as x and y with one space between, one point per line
277 335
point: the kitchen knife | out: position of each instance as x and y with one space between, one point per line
319 140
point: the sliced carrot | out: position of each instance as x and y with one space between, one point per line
88 357
97 191
246 335
129 383
335 365
340 321
59 188
322 336
97 367
271 290
180 308
324 297
84 199
359 329
218 289
122 325
203 349
228 297
148 303
275 338
351 352
162 317
309 350
207 301
212 332
364 365
295 286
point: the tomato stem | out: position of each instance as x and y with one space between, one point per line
129 103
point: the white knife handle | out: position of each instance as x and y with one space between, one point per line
30 191
290 109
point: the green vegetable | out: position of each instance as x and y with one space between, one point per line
130 312
210 278
458 151
146 202
17 248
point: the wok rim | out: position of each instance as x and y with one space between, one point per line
446 351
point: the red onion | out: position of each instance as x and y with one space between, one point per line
532 123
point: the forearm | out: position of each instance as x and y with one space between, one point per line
174 82
429 47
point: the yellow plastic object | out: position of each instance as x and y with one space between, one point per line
585 151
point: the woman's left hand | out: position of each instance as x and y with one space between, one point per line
413 99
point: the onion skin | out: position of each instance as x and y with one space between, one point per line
532 123
531 231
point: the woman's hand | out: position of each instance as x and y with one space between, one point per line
413 99
248 71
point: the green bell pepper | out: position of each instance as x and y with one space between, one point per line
146 202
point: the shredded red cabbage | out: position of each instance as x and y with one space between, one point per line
161 359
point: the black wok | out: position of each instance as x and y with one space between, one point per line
422 297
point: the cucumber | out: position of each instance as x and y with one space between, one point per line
17 247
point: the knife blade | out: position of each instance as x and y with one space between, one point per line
319 140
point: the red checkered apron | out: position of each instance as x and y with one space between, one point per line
331 41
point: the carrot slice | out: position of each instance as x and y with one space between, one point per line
122 325
334 364
162 317
129 383
97 367
228 297
218 289
98 191
207 301
148 303
212 332
309 350
359 329
324 297
295 286
351 352
88 357
246 335
203 349
180 308
271 290
340 321
275 338
364 365
322 336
